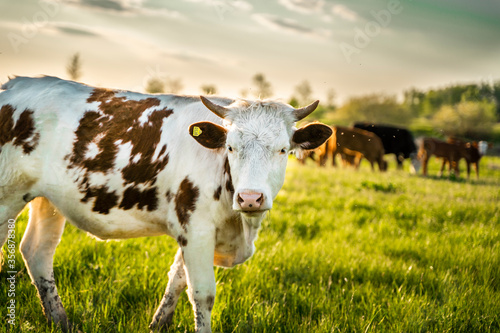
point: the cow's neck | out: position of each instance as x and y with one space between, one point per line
251 226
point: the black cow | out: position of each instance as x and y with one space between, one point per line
396 140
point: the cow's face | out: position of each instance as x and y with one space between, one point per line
257 139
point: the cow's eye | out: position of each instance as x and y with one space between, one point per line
229 148
283 151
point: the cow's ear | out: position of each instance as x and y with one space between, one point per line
208 134
312 135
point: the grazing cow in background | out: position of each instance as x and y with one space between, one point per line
470 152
396 140
121 164
447 151
353 144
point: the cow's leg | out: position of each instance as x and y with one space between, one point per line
334 154
468 169
455 168
371 164
320 159
176 284
38 246
9 209
443 165
198 254
425 160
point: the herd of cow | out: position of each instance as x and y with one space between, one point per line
373 141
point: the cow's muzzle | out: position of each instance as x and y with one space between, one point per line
251 202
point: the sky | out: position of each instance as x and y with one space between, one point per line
353 47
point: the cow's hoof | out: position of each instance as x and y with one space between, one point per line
161 323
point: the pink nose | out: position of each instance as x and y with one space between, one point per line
250 201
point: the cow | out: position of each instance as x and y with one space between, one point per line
471 152
353 144
450 153
121 164
396 140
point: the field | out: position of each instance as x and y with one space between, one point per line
341 251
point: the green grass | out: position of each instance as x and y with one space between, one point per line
341 251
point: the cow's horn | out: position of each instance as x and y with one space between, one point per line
305 111
217 109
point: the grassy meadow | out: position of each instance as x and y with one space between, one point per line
341 251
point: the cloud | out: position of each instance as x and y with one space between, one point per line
120 37
288 25
303 6
104 5
126 7
345 13
73 29
241 5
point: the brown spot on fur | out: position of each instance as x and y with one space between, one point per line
185 201
22 133
210 302
182 241
217 193
104 200
133 196
169 196
229 179
117 122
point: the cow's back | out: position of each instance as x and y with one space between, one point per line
365 142
103 155
395 140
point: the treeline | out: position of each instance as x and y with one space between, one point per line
425 103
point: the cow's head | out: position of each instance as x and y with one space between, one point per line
257 137
415 163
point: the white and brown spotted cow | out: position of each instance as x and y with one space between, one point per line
120 164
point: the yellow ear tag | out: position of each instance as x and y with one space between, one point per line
196 131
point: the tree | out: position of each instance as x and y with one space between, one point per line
173 86
426 104
413 101
264 89
74 67
209 89
376 108
303 91
496 96
330 98
155 85
466 119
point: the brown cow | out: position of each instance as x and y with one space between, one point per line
468 151
353 144
448 152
